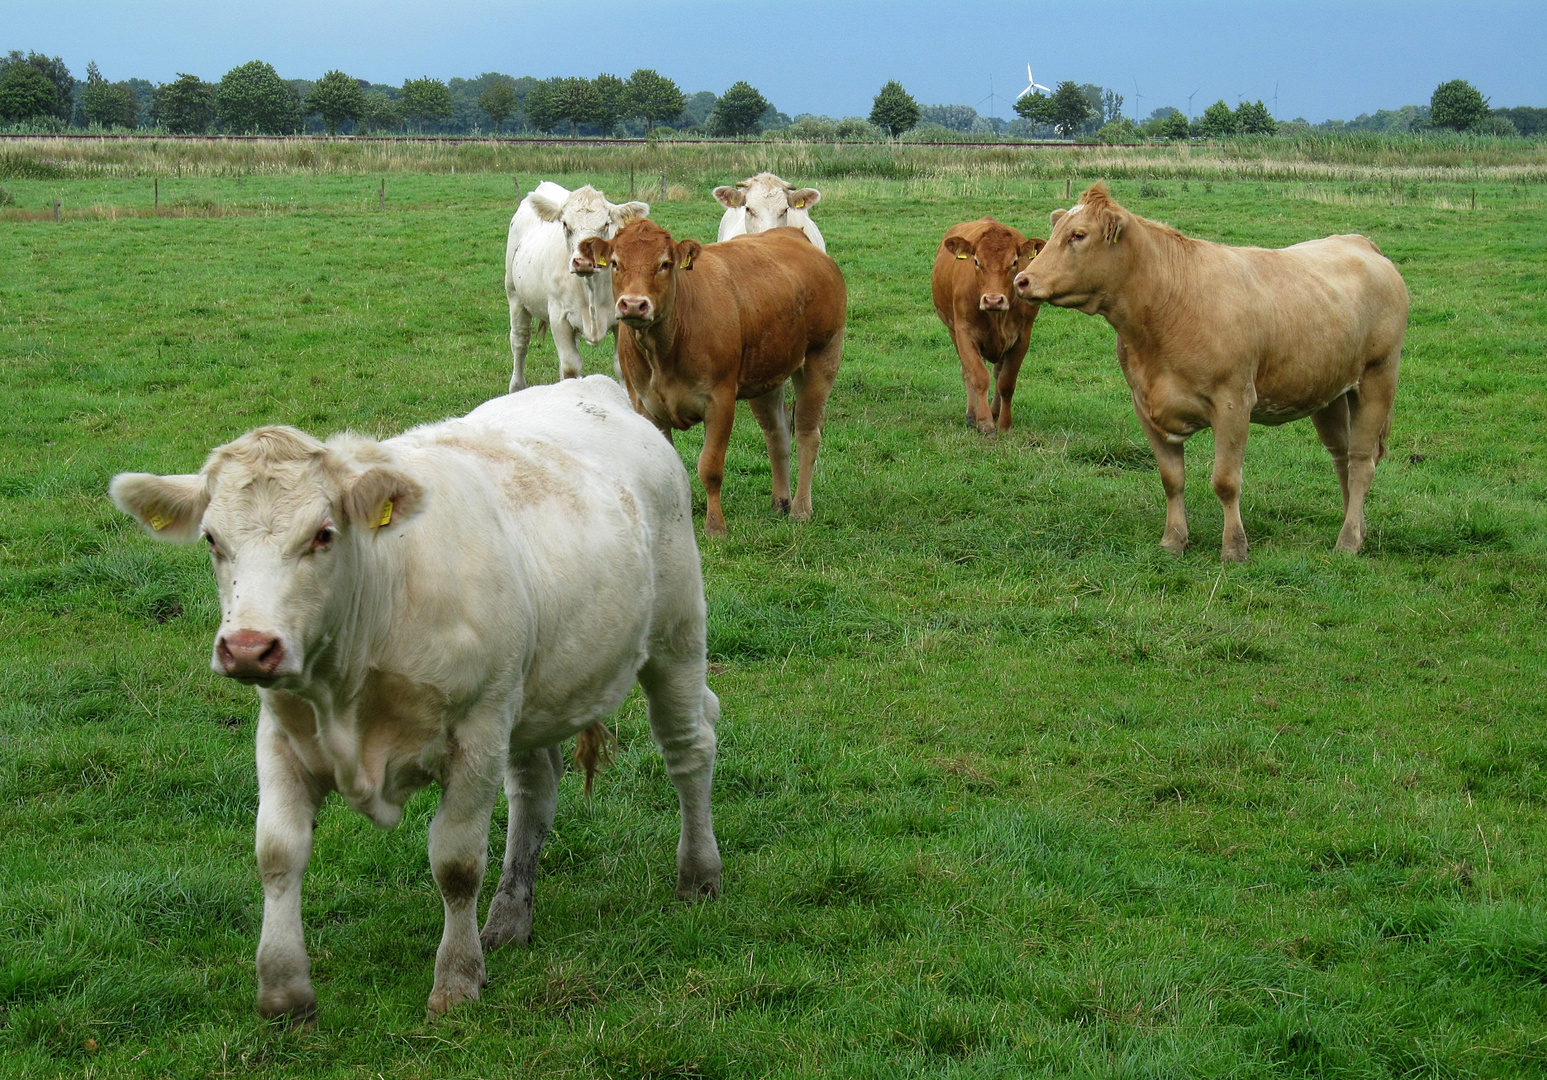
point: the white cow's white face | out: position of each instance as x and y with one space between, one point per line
587 215
286 520
766 200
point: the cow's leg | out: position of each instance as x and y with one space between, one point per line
683 714
1173 472
520 341
1369 424
976 382
570 364
718 420
1232 422
1006 372
813 385
1332 425
459 841
775 422
532 789
288 799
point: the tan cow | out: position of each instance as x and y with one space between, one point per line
974 293
703 327
1219 337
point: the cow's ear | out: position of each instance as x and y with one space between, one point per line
959 246
1029 248
170 507
1112 224
629 211
596 249
1054 218
380 497
685 252
731 196
546 206
804 198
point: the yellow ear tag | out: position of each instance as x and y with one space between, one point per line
801 205
961 256
386 515
159 521
687 262
601 264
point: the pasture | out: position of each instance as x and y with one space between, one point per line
1002 789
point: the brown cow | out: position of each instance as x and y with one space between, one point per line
702 327
974 294
1221 337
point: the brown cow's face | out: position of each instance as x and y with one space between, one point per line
997 257
1084 257
287 523
645 262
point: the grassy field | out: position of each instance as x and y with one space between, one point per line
1003 790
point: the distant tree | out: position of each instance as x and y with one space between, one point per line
542 105
26 94
894 110
425 99
1457 105
1526 120
1111 105
1217 121
611 102
184 107
1167 123
336 98
108 104
1066 109
1163 112
53 69
697 108
955 117
253 98
653 98
1253 118
575 100
498 101
1121 130
378 112
1496 125
739 111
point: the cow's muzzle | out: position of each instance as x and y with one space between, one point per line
582 266
635 309
1028 287
993 302
249 654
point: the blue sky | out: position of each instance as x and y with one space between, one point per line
1322 60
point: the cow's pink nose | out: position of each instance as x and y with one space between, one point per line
581 265
1023 283
995 302
249 654
633 307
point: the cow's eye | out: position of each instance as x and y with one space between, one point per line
665 266
214 548
323 538
1079 235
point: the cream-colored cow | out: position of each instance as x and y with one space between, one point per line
448 606
764 202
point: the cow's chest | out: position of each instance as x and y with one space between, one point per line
675 404
389 742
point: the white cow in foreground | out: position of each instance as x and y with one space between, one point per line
546 278
448 606
764 202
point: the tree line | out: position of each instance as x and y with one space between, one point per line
40 93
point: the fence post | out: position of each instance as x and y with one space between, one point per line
383 192
631 181
517 185
663 187
56 211
157 182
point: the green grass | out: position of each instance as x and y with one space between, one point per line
1003 790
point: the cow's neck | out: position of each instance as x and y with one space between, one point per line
359 632
1151 304
596 319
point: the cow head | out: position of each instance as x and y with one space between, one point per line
767 200
289 522
645 262
1085 256
585 214
999 254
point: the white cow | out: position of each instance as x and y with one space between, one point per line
448 606
546 277
764 202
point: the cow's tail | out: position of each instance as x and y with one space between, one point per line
593 751
1385 434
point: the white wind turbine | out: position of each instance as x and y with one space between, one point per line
1032 84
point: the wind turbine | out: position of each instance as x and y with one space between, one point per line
1189 102
992 97
1137 97
1032 84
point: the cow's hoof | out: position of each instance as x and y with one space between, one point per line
986 427
716 530
801 511
1174 546
1233 555
698 887
782 505
1349 542
297 1007
443 998
509 920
